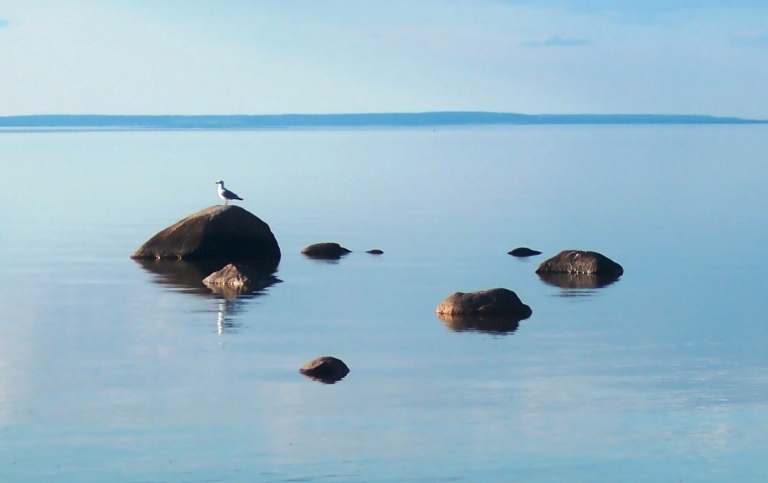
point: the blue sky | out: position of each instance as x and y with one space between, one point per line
302 56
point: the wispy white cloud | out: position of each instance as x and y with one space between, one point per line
556 41
633 8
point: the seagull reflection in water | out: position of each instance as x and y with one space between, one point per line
230 303
224 320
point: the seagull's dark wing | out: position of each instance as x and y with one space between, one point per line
230 195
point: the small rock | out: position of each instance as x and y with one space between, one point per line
497 302
375 251
325 369
329 250
578 261
235 275
523 252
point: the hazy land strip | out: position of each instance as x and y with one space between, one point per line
278 121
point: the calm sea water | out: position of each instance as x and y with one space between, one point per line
112 372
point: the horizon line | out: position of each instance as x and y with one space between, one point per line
367 119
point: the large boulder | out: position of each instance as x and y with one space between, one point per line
496 302
223 232
578 261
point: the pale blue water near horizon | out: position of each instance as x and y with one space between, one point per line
109 374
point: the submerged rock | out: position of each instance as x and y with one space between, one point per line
578 261
236 275
327 250
375 251
223 232
325 369
523 252
496 302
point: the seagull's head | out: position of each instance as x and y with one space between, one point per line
219 182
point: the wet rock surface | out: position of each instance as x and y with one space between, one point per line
236 275
580 261
325 369
497 302
325 250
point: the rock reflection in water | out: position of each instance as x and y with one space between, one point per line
490 325
324 261
181 275
187 277
577 284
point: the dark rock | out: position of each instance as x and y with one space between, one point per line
375 251
490 325
523 252
325 369
223 232
496 302
577 261
328 251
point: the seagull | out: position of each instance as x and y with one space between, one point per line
225 194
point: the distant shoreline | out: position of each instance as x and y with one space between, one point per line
282 121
